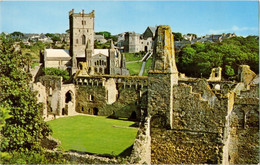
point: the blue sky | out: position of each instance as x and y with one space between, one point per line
199 17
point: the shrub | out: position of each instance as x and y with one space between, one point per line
57 72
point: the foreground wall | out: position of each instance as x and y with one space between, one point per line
244 128
198 127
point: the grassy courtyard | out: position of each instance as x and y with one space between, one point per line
94 134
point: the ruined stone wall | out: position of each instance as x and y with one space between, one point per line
58 98
184 147
68 101
244 128
110 99
41 96
198 127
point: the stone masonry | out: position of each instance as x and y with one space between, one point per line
181 120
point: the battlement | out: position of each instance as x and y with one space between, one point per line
83 14
127 81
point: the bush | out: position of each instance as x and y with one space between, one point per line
57 72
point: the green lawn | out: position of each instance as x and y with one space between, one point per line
94 134
134 68
147 66
133 56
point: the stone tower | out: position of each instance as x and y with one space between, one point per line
112 53
162 76
81 33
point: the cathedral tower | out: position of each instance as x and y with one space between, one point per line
81 34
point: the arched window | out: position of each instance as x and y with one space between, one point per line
83 40
68 97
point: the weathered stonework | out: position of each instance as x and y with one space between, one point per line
58 98
108 97
245 74
244 128
215 74
182 120
163 75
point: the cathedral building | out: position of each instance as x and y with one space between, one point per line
104 61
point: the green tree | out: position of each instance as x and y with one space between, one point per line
229 54
177 36
57 72
17 34
106 34
54 37
26 128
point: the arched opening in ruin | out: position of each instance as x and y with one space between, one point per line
63 111
145 48
158 121
91 97
68 97
216 74
50 91
95 111
133 116
83 40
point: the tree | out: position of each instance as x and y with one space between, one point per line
17 34
57 72
26 128
229 54
177 36
54 37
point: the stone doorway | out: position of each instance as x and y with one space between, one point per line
68 97
95 111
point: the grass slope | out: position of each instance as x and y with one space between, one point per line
94 134
133 56
134 68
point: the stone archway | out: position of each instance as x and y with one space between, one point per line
68 97
69 103
146 49
95 111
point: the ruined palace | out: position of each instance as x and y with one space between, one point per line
182 120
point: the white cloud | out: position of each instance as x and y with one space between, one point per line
233 29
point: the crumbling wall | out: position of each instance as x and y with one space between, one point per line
41 96
184 147
244 128
67 98
53 92
115 100
197 133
